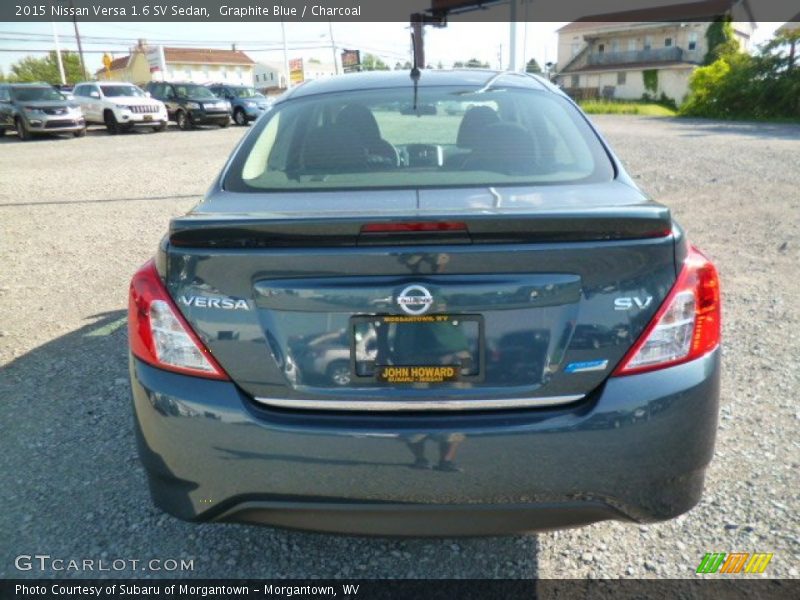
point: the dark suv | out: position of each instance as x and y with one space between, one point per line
191 104
246 102
36 108
439 307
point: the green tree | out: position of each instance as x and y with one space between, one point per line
533 67
45 69
474 63
2 76
458 64
370 62
740 86
720 39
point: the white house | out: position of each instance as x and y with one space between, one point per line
616 57
201 65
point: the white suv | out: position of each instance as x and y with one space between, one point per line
119 106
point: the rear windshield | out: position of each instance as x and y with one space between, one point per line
446 137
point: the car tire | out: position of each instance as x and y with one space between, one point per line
239 117
339 373
224 124
183 121
22 130
79 133
160 127
112 125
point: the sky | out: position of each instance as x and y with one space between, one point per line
459 41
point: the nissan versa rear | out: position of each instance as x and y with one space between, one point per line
425 306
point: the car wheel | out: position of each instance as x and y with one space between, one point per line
339 373
79 133
22 129
111 123
225 123
239 117
182 119
160 127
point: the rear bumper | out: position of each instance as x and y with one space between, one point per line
636 450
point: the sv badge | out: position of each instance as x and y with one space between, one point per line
629 302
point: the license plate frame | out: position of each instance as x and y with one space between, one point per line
418 374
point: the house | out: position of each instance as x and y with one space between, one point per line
202 65
646 52
270 77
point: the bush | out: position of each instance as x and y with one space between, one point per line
740 86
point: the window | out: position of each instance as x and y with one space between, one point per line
4 95
667 42
648 42
632 45
601 48
693 40
80 90
622 76
615 45
576 48
576 81
352 140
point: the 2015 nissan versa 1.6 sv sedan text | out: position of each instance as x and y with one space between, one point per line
427 305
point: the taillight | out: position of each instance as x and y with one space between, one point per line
159 335
414 227
687 325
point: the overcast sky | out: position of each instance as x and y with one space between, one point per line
458 41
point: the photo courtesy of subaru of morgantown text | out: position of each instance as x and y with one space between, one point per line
455 258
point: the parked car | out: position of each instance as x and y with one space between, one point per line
425 255
191 104
247 104
120 106
38 108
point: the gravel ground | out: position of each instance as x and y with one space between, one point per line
77 216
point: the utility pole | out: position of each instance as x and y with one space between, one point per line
285 57
333 48
78 38
512 37
58 54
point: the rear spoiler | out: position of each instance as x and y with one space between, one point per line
257 231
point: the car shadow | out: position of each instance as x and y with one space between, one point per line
762 130
73 487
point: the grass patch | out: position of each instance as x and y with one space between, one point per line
609 107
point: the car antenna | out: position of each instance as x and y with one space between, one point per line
416 40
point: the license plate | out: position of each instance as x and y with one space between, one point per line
147 118
426 349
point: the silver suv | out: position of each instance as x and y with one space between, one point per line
35 108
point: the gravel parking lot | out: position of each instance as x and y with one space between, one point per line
78 216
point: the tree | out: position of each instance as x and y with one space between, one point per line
2 76
439 65
370 62
740 86
533 66
45 69
458 65
474 63
721 40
